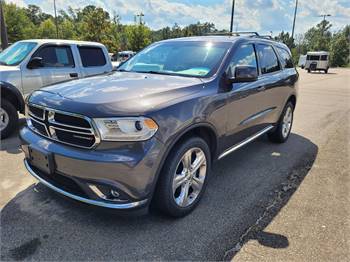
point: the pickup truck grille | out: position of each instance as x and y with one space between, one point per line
64 127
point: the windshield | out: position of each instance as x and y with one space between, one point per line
187 58
15 54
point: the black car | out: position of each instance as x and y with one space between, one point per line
150 132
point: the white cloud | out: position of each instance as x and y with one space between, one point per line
17 2
256 15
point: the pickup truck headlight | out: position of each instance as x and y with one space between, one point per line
126 128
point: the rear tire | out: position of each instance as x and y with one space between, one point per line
8 119
282 130
181 185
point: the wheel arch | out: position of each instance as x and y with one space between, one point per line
13 95
293 100
203 130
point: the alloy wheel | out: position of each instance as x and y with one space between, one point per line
189 177
4 119
287 122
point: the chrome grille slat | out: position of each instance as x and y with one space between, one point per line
85 137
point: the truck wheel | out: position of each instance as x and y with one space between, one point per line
183 179
8 118
326 71
308 70
282 130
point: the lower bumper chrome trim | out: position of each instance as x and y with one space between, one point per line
82 199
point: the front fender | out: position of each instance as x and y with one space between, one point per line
13 95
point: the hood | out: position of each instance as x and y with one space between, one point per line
10 74
4 68
117 93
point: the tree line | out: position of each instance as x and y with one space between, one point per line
93 23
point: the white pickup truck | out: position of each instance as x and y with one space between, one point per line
31 64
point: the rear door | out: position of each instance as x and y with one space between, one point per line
272 81
245 102
57 65
94 60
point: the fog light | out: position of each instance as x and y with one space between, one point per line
115 193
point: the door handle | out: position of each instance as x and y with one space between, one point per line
261 88
73 74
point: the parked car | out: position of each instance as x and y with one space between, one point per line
302 61
149 132
31 64
317 61
122 56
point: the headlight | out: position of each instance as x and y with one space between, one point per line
126 128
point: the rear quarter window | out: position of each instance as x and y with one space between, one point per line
92 56
286 59
267 59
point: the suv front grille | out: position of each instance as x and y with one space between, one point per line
62 126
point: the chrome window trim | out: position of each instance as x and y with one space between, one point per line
93 128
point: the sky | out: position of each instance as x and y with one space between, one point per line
262 16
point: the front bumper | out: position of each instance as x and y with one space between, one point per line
82 199
90 175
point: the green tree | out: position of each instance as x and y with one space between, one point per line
19 26
286 39
139 36
95 23
67 30
319 38
47 29
340 47
35 14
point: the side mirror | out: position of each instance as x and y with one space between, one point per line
35 62
241 74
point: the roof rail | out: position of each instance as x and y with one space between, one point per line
238 33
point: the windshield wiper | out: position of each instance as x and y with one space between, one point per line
122 70
2 63
154 72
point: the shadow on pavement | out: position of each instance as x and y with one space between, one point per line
246 191
12 144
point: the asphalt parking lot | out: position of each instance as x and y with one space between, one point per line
264 202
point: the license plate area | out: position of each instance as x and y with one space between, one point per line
41 160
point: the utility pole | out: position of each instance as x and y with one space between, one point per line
54 7
324 16
140 15
3 30
324 22
232 15
295 15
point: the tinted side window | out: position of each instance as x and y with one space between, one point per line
313 57
244 56
286 59
56 56
92 56
267 59
323 57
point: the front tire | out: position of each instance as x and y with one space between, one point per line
282 130
8 119
184 177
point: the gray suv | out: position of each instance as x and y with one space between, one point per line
149 133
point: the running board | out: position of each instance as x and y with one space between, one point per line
246 141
